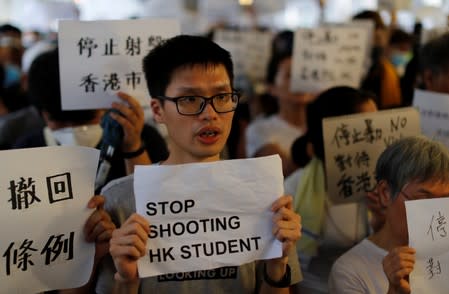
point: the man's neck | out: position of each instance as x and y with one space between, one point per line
173 159
386 239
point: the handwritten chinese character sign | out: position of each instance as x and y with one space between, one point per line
43 211
250 51
100 58
328 56
428 232
434 111
353 143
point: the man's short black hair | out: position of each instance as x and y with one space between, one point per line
434 55
273 66
45 90
9 28
180 51
335 101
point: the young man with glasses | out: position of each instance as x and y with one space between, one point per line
190 80
410 169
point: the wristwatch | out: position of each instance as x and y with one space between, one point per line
134 153
282 283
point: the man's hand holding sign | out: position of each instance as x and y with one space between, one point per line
236 218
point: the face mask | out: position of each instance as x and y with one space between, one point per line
87 135
12 75
400 60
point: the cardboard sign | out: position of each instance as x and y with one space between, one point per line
99 58
353 143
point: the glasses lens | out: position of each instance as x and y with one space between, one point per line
190 104
225 102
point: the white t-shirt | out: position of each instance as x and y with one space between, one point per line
359 270
271 130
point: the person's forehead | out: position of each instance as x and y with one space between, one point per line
198 76
435 186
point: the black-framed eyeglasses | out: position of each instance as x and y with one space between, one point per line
195 104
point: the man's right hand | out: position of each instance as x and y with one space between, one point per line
397 265
127 245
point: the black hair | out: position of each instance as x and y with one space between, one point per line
434 55
8 28
273 66
45 91
335 101
282 43
399 36
180 51
371 15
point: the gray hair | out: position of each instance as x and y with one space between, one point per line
412 159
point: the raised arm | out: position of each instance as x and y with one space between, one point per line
132 121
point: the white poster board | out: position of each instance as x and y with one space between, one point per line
250 51
208 215
43 210
328 56
353 143
99 58
428 234
434 111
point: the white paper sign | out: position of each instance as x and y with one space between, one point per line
434 110
353 143
43 209
250 51
325 57
99 58
428 233
208 215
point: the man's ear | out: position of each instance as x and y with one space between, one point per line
158 110
384 192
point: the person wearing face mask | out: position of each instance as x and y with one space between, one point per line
399 50
381 78
17 117
82 127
